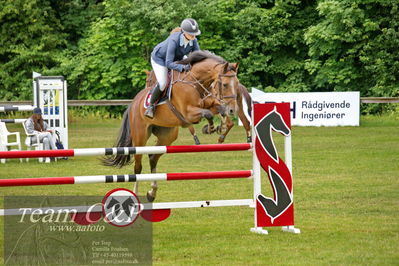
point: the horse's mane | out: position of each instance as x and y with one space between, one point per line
198 56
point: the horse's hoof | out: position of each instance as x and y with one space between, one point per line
197 142
149 112
205 129
249 139
219 130
150 198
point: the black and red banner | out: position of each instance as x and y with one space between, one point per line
279 209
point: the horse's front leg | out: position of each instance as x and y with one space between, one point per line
137 170
216 108
228 125
194 134
210 127
151 194
223 127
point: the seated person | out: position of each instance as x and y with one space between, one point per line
36 125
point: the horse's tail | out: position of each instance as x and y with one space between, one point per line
247 98
124 140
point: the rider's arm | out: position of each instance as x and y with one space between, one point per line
170 56
196 45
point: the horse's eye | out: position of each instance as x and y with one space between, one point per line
225 85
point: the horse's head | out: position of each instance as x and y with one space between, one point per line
218 75
226 87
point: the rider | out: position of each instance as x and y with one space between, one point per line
166 53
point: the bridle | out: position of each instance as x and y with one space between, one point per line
204 94
216 86
219 83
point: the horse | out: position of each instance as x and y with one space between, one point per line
209 88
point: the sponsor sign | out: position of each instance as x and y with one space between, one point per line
317 108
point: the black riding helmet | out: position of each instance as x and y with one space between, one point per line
190 26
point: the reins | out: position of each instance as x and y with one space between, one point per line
204 94
207 93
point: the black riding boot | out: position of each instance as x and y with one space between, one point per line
155 94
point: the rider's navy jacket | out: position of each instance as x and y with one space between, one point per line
172 49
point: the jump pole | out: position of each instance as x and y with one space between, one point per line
16 108
125 150
13 121
70 180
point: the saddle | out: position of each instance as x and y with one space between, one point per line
166 94
165 98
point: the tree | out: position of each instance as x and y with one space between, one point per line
354 46
31 36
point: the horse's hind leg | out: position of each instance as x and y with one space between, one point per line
166 136
140 136
246 124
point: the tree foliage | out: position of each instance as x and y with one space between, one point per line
354 46
103 47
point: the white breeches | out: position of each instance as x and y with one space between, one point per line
161 73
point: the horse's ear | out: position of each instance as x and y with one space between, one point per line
226 67
147 72
234 66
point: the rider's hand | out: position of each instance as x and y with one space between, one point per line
186 67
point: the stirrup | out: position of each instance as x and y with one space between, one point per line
149 112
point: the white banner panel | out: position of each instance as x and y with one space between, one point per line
317 108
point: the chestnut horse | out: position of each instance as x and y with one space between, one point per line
209 88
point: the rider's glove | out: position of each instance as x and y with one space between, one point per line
186 67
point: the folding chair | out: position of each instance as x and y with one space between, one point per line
33 144
5 142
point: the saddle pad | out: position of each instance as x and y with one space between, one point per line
166 95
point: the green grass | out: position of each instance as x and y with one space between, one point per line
346 182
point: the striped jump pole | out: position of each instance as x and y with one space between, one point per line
125 150
13 121
70 180
16 108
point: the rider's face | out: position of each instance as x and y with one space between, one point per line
189 36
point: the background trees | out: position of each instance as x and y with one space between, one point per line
102 47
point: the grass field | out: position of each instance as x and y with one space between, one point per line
346 183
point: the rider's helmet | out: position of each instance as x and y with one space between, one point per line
190 26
